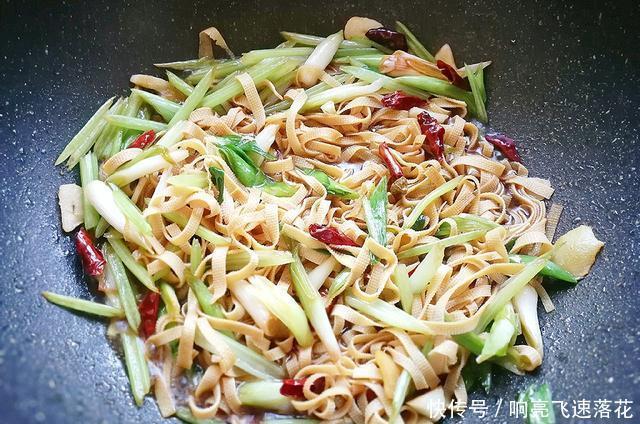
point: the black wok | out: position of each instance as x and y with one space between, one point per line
564 83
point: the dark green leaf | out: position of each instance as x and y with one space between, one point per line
217 177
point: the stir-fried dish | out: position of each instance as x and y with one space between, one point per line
322 230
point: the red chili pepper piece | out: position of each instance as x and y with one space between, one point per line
506 145
92 258
401 101
392 164
144 140
293 387
388 38
434 132
371 395
330 235
452 75
148 308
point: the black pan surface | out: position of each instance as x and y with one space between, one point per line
564 83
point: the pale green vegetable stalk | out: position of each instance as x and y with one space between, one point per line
264 395
88 173
449 241
82 305
338 285
202 232
313 307
320 273
102 226
400 277
179 84
391 84
539 404
183 413
135 123
137 367
310 72
125 255
221 69
131 211
190 64
196 179
149 165
312 91
432 196
85 133
256 56
125 292
165 107
375 212
259 73
194 99
501 335
169 298
526 304
195 256
424 273
246 359
439 88
465 223
509 290
102 147
314 40
205 299
388 314
476 81
340 94
415 46
171 137
283 306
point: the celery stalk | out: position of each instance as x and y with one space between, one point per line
88 173
135 123
389 83
313 307
125 292
165 107
314 40
123 252
82 305
256 56
80 138
193 100
264 395
179 84
415 46
259 73
137 367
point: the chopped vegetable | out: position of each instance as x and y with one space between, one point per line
137 368
466 222
422 205
476 81
313 307
375 209
125 255
310 72
82 305
388 314
551 269
449 241
264 395
539 404
415 46
217 177
194 99
92 259
526 305
330 185
502 334
125 292
88 173
434 133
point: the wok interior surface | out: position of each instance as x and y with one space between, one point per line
563 83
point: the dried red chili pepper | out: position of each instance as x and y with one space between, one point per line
401 101
388 38
293 387
452 75
371 395
92 258
330 235
505 144
434 132
392 164
148 308
144 140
